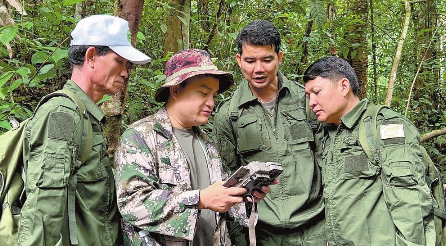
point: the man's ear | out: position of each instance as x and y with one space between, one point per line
279 56
90 56
238 57
174 90
345 86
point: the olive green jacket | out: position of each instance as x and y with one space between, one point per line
51 156
369 204
297 199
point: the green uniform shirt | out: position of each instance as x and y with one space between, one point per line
297 199
368 204
53 137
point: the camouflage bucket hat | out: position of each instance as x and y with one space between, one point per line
187 64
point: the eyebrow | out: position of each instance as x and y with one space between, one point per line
206 87
264 57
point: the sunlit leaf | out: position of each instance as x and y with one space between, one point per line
5 124
7 34
105 98
45 69
71 2
23 71
59 54
141 36
5 77
39 57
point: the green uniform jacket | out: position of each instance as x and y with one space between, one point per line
154 183
368 204
52 142
297 199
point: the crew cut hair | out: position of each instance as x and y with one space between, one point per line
334 69
259 32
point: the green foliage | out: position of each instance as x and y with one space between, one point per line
40 42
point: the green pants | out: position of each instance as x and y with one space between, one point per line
312 234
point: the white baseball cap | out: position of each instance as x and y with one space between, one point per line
106 30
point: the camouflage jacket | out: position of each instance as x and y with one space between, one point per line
153 183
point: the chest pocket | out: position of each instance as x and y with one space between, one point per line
95 168
356 164
298 130
173 169
249 134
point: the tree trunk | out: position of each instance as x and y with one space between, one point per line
221 7
358 33
304 58
399 48
178 22
374 98
131 11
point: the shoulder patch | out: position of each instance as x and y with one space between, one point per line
391 131
60 126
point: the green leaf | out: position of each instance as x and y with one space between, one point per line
45 69
318 12
141 36
59 54
345 53
163 28
5 77
39 57
182 20
3 92
23 71
7 34
5 124
15 84
353 55
105 98
71 2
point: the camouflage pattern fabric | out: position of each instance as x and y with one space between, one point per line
153 183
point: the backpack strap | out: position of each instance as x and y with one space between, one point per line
368 134
234 113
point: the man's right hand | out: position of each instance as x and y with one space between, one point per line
218 198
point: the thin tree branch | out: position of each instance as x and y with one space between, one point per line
399 49
432 134
416 74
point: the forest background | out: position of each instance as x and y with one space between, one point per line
397 48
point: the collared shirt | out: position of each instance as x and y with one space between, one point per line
297 199
51 153
370 204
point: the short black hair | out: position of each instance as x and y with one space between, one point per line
259 32
334 69
76 53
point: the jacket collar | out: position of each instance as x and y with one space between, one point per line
352 117
246 95
163 126
91 106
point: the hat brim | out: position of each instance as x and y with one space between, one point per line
131 54
226 80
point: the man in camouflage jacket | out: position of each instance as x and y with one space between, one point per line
160 196
366 203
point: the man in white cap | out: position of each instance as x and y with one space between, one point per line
71 198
